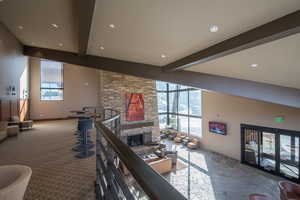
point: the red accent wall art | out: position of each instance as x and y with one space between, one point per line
134 107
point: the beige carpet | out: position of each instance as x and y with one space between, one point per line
57 174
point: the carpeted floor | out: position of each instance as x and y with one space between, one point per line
57 174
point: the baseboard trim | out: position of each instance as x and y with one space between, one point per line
53 119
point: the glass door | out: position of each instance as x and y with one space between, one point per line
289 156
268 151
273 150
251 150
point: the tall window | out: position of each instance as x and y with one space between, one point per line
52 84
179 108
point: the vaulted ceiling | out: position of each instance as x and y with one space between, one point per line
160 32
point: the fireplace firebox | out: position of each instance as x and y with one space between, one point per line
135 140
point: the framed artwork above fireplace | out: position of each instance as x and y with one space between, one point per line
135 109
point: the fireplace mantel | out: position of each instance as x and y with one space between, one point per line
137 124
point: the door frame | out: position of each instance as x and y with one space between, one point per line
277 133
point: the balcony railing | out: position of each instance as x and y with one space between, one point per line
114 157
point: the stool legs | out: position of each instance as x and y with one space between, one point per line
84 143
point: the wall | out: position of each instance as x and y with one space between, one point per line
113 90
13 72
81 88
236 110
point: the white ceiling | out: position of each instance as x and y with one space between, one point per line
145 29
36 16
278 63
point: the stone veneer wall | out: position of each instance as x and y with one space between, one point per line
113 88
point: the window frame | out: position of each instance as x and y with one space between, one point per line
177 114
47 88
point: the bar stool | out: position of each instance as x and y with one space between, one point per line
84 147
83 137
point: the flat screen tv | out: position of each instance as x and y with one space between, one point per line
218 128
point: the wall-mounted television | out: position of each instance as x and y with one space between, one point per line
218 128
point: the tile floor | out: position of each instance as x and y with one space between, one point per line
211 176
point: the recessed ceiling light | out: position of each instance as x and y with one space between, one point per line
20 27
60 44
254 65
101 47
163 55
54 25
32 43
213 28
112 26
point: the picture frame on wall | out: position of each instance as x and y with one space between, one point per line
135 109
217 128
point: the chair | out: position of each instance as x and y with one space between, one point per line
289 190
186 140
173 155
12 130
179 137
3 130
171 135
14 180
259 197
193 144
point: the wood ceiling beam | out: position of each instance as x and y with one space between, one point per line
274 30
238 87
85 11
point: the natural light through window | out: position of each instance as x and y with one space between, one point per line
52 85
179 108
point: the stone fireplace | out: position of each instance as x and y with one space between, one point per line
114 87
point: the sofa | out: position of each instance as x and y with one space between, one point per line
3 130
14 180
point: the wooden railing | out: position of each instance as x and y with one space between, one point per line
140 181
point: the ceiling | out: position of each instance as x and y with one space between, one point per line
36 17
144 30
177 28
278 63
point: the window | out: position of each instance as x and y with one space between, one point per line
179 108
161 86
52 85
183 102
172 102
162 99
162 121
195 102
